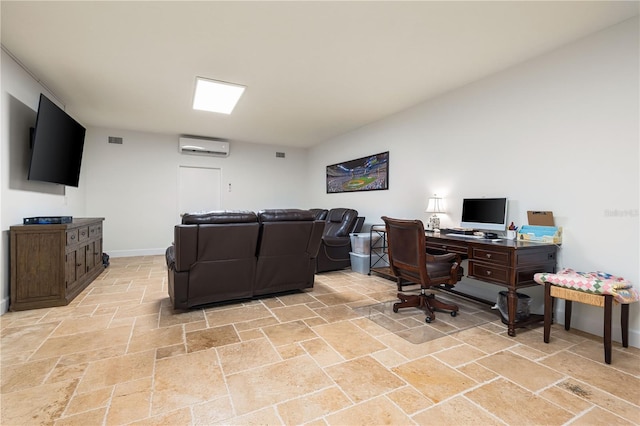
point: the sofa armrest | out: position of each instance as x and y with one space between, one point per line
186 246
336 241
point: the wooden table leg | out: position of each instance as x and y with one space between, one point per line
608 302
624 324
548 309
512 307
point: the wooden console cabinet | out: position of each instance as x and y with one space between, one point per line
52 264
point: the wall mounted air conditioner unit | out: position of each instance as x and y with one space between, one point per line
202 146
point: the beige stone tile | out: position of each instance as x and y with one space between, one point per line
620 359
247 355
409 399
321 352
363 378
195 326
310 407
23 339
256 324
82 342
292 313
36 405
434 379
521 371
142 309
517 406
336 313
89 401
144 340
188 379
528 352
20 376
170 316
178 417
73 325
146 322
131 401
271 384
303 297
63 373
250 334
375 327
377 411
93 417
599 417
119 369
605 400
459 355
477 372
288 333
226 315
213 412
411 350
315 321
169 351
484 340
266 416
565 399
92 355
134 296
290 351
389 358
211 338
598 374
343 297
348 340
456 411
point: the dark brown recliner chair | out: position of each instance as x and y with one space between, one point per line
213 258
287 250
320 214
410 262
336 243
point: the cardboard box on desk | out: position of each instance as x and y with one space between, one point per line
541 228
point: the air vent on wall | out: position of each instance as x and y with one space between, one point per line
115 139
279 154
203 146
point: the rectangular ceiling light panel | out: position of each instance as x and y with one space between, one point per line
216 96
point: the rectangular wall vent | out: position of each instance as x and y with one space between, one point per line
115 139
279 154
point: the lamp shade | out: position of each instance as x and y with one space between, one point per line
436 205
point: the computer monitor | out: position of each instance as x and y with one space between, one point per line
487 214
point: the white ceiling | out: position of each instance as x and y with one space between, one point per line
313 70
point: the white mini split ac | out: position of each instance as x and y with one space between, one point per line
204 147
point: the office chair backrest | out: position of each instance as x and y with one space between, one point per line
407 249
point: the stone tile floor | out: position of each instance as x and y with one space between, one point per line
119 354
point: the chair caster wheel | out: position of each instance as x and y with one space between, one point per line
428 320
395 308
454 313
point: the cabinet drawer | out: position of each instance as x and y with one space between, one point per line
490 256
83 233
72 237
95 231
488 272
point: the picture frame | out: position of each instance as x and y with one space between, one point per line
370 173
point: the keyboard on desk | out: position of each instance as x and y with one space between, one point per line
474 237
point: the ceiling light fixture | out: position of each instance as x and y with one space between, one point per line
216 96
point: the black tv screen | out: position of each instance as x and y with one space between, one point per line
57 144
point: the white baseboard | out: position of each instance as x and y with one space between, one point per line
132 253
4 306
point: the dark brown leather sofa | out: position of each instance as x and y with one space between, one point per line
231 255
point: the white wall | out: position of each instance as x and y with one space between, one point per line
134 185
22 198
556 133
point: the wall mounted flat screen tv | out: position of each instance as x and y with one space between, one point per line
57 143
488 214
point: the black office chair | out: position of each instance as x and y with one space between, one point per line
410 262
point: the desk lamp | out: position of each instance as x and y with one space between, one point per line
436 205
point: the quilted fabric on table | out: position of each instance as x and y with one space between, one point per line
591 282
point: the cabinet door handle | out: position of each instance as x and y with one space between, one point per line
488 272
488 255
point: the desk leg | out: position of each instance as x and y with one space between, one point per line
512 304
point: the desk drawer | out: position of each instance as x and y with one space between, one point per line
447 247
490 256
488 272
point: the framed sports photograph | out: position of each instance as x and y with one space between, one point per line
362 174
